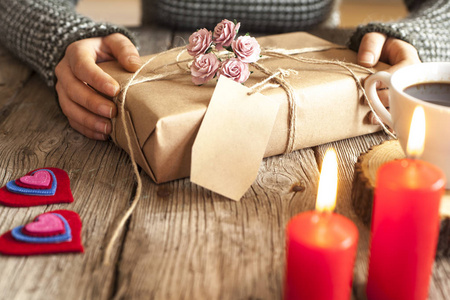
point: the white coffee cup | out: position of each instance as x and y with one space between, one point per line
402 105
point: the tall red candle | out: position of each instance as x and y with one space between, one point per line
321 250
405 229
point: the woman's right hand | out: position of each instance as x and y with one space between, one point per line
89 112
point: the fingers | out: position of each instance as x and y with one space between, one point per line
376 47
370 49
83 95
87 132
124 51
82 61
398 54
82 120
383 94
372 119
87 112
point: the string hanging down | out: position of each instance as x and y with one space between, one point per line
278 76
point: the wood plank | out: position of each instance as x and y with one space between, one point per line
186 242
36 134
102 184
200 245
13 75
440 283
348 152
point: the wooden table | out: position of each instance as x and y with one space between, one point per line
182 241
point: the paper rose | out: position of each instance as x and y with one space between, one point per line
207 59
235 69
199 42
247 49
204 67
224 33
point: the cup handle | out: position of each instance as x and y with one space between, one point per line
370 86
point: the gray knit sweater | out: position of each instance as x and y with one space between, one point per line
38 31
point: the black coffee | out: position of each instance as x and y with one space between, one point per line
434 92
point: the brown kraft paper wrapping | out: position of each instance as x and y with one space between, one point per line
165 115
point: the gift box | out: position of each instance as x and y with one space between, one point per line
164 116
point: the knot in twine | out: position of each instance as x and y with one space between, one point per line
274 79
264 84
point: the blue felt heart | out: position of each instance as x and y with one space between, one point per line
14 188
64 237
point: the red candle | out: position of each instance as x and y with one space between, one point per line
405 225
321 247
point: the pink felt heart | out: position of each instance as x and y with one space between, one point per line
63 193
39 179
10 246
45 225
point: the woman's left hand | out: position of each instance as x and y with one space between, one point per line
377 47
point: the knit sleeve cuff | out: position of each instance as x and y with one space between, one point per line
390 30
427 28
38 32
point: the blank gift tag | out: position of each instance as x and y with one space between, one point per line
232 139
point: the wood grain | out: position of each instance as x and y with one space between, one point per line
13 75
182 241
36 134
348 151
199 245
365 175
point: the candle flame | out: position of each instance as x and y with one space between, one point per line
416 138
326 195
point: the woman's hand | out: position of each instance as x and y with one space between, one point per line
377 47
89 112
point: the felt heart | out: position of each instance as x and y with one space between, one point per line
59 191
23 181
15 242
40 179
14 188
18 183
19 234
45 225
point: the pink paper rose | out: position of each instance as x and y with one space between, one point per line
224 33
235 69
246 49
199 42
204 67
